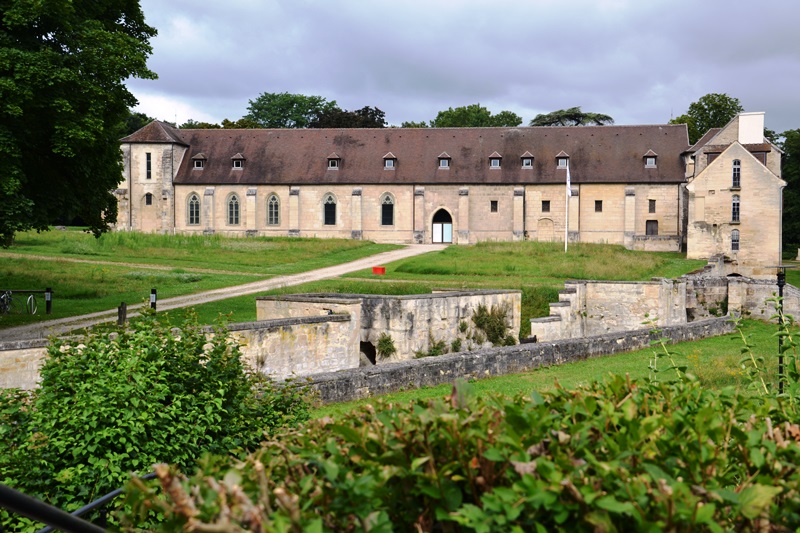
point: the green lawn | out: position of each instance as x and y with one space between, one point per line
715 361
174 265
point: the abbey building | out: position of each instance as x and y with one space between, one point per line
643 187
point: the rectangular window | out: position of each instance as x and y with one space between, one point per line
651 227
388 163
493 206
563 162
650 161
198 163
545 206
494 163
598 206
651 206
149 164
237 163
333 163
444 163
527 162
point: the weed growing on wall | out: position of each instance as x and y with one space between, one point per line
493 323
120 401
386 347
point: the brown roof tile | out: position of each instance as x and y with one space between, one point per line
598 154
155 132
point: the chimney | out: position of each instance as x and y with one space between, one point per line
751 128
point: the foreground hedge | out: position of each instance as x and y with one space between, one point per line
616 455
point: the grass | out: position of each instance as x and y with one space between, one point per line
174 265
715 361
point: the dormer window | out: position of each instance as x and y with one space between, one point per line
334 161
494 160
563 162
444 160
527 160
199 161
389 161
238 161
650 159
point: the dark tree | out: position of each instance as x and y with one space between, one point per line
63 103
285 110
474 116
412 124
790 171
244 123
710 111
571 117
134 122
366 117
192 124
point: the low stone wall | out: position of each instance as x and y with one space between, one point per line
430 371
413 321
20 362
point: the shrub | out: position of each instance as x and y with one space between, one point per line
386 347
617 455
120 401
492 322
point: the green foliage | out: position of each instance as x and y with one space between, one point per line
474 116
366 117
63 107
571 117
285 110
790 172
455 346
386 347
617 455
120 401
713 110
493 323
435 348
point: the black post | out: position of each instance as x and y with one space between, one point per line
781 283
153 299
24 505
48 300
122 314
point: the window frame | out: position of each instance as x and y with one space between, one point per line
736 174
444 162
736 208
233 210
651 205
387 209
148 199
648 227
329 210
333 163
494 206
560 160
388 163
199 164
148 166
527 162
598 206
495 163
273 210
192 203
545 206
650 161
736 243
238 164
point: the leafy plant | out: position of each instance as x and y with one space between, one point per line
494 324
386 347
616 455
455 345
120 401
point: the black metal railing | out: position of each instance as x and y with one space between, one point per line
55 518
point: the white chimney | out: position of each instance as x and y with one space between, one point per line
751 128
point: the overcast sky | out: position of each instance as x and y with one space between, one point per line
640 61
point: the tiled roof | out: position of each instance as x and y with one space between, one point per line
156 132
598 154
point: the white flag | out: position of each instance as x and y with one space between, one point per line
569 186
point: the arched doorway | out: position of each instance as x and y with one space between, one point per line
545 231
442 227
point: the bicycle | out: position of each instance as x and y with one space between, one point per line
9 304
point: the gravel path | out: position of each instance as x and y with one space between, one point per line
64 325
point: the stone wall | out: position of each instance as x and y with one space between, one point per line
414 322
20 362
430 371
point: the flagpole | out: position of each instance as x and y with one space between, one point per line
566 211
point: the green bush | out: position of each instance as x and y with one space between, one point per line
492 323
120 401
386 347
617 455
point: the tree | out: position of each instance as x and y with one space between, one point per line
285 110
192 124
412 124
366 117
63 102
120 401
571 117
134 122
713 110
243 123
474 116
790 172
